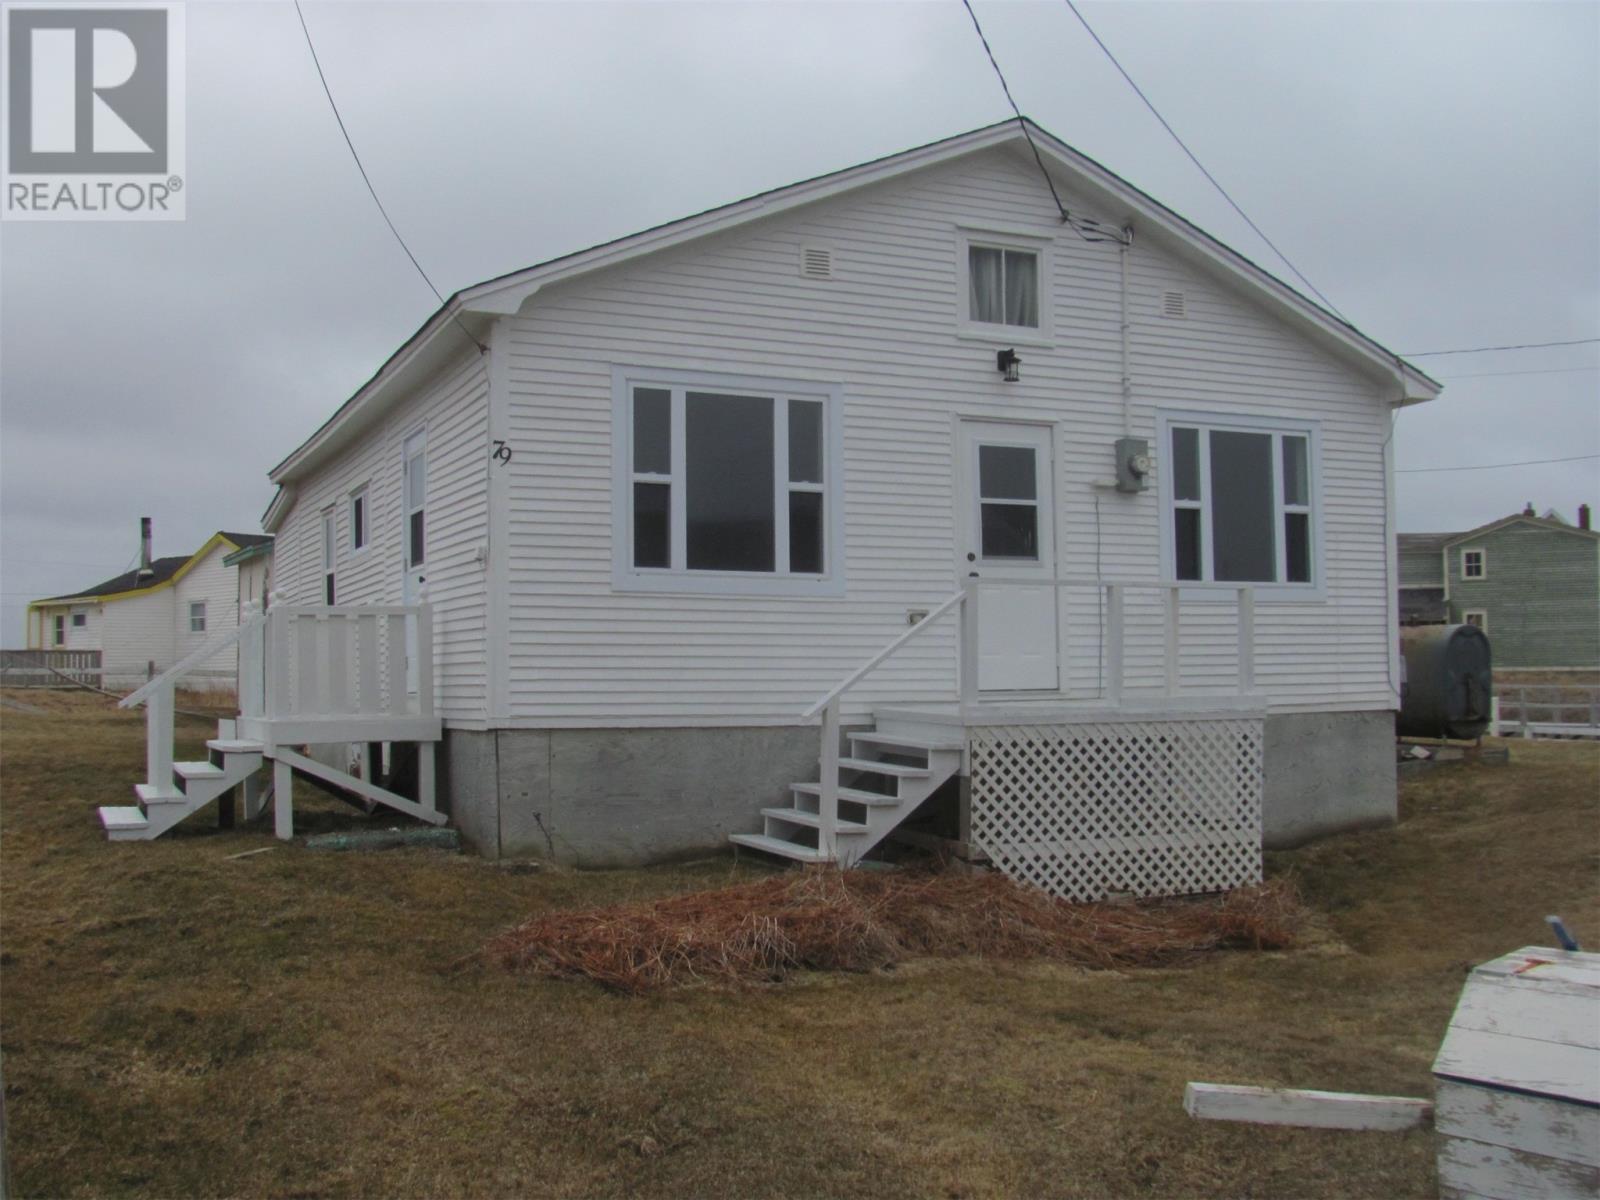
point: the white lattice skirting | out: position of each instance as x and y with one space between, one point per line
1152 808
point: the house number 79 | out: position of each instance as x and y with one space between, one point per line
502 452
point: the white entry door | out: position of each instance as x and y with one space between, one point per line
1007 539
414 538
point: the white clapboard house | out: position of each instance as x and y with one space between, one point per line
144 620
1078 529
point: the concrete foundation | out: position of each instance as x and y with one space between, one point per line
1326 773
624 797
619 797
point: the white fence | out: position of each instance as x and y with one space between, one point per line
1546 710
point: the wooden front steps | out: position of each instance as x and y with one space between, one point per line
880 783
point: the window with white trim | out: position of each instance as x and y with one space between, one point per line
1477 618
1002 284
1240 502
197 616
726 482
80 620
61 629
358 519
1474 564
328 556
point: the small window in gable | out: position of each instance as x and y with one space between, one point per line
1474 564
1002 285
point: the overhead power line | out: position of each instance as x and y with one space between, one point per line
365 178
1298 274
1538 371
1088 230
1528 462
1487 349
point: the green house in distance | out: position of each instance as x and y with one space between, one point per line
1531 583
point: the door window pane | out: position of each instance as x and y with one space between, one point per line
652 504
416 480
1296 489
805 533
1297 547
1007 473
729 489
805 441
414 539
1242 507
1010 531
652 431
1186 530
1186 463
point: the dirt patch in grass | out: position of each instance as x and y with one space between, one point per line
827 920
177 1022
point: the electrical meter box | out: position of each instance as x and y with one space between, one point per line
1133 464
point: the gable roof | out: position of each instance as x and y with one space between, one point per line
1546 523
163 572
474 308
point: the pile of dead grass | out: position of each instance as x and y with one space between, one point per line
827 920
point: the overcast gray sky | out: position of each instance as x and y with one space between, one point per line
1433 168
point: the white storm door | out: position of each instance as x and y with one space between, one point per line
414 538
1007 531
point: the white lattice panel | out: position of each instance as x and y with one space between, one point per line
1155 808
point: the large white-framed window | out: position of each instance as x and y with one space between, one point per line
1475 563
197 616
329 556
1240 503
726 483
360 514
1004 280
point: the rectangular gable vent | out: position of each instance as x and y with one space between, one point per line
1172 305
816 262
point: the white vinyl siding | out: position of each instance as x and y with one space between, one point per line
213 586
453 408
584 652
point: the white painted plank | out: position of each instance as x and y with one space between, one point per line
1297 1106
1498 1059
1547 1011
1546 963
1537 1124
1505 1174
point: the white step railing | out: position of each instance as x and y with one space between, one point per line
159 697
968 638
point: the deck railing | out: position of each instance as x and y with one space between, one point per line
338 661
966 602
1545 710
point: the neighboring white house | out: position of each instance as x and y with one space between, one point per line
664 493
146 619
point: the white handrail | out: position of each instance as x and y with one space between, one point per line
877 659
183 665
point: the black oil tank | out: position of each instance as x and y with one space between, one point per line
1449 683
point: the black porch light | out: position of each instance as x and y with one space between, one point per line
1009 365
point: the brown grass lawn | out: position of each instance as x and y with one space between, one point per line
178 1024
